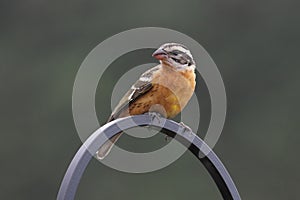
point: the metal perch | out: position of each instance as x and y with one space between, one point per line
197 146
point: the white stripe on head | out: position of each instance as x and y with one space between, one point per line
145 78
175 46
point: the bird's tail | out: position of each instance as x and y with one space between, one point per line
106 147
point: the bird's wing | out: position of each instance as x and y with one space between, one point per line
138 89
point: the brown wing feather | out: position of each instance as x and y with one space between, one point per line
125 102
138 89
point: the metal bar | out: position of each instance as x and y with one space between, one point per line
197 146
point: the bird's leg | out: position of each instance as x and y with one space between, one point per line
185 127
167 138
155 116
159 118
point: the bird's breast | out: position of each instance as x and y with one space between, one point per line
169 95
173 89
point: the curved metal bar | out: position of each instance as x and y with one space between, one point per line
197 146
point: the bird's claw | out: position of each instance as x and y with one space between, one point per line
167 138
185 128
155 116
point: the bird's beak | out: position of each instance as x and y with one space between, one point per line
160 54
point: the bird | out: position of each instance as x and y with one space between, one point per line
164 89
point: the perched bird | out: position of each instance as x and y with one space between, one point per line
164 89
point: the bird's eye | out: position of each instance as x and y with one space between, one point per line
175 52
176 60
183 62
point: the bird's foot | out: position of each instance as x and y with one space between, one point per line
167 138
185 128
155 116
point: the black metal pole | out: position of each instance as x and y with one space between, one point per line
197 146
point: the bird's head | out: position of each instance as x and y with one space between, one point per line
175 55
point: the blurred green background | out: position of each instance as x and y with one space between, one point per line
255 44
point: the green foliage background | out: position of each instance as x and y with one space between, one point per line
254 43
